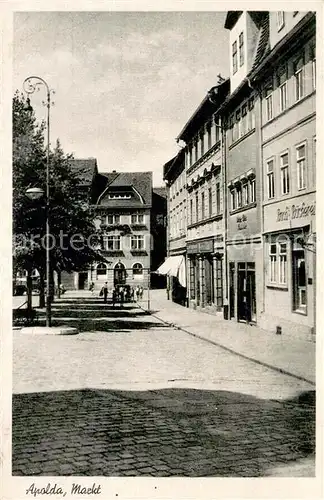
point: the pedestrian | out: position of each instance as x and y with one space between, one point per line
141 292
137 291
114 296
105 292
91 286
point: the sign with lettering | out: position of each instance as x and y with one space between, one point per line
205 246
296 212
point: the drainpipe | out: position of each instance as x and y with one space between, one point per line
225 212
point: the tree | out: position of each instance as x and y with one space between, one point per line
74 238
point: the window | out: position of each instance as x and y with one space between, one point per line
270 177
137 218
239 195
191 211
252 190
299 281
218 198
244 124
137 269
209 137
273 263
233 199
217 130
196 150
301 166
284 166
246 197
234 57
202 205
101 269
120 196
278 263
202 144
210 201
112 242
282 263
282 84
269 102
137 242
299 79
251 116
280 20
313 60
197 206
235 130
190 154
113 219
241 48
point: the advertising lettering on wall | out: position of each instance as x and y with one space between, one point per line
296 212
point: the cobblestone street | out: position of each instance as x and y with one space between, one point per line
129 396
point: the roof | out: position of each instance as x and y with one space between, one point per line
231 18
160 191
205 110
263 45
140 182
86 168
171 167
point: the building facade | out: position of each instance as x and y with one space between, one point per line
243 237
174 175
287 85
204 170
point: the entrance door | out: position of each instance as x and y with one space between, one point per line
119 274
83 280
232 289
299 272
246 299
209 281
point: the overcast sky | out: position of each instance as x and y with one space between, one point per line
125 83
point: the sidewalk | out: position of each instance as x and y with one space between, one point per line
285 354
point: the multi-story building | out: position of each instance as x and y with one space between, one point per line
243 239
174 175
204 172
158 234
286 79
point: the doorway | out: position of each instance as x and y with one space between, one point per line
83 280
119 274
232 289
246 298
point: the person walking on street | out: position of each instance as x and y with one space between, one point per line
105 292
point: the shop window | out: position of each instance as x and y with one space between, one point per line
301 166
241 48
234 57
299 281
280 19
284 167
137 269
299 78
270 179
273 263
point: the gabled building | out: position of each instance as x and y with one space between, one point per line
286 80
204 173
248 44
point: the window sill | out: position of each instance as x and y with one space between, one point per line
204 221
288 108
299 311
276 286
138 252
237 141
242 209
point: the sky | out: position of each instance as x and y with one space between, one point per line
125 82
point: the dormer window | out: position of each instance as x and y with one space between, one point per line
119 196
280 19
241 48
234 57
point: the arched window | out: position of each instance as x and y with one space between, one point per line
101 269
137 269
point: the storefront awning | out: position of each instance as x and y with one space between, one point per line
174 266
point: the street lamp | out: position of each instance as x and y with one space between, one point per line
30 85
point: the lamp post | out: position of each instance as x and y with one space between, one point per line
30 85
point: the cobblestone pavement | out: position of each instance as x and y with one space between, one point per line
129 397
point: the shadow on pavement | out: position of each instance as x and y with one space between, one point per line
168 432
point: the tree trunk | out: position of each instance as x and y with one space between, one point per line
51 285
59 284
29 284
41 289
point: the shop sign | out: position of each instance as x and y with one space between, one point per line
241 222
206 246
296 212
